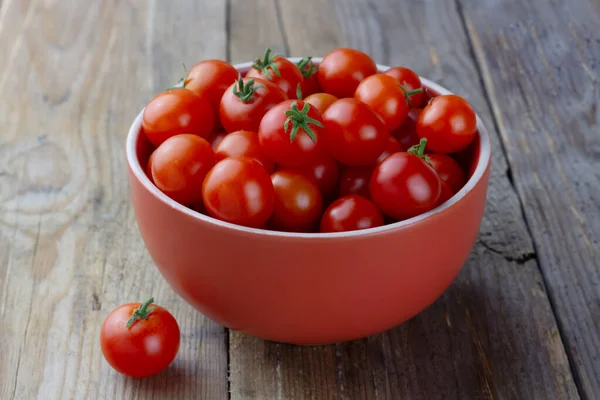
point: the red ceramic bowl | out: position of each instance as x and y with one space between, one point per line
309 288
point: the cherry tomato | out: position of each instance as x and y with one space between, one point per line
243 143
393 146
445 194
410 81
279 70
355 180
355 134
216 138
448 123
325 171
239 190
385 96
245 102
407 133
139 340
211 78
310 84
148 169
404 185
351 213
291 133
448 170
341 70
179 166
298 202
177 111
321 101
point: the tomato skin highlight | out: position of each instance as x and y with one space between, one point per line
355 134
216 138
355 181
146 348
410 80
448 123
236 115
448 170
174 112
210 78
239 190
321 101
243 143
288 79
350 213
341 70
385 96
298 202
325 171
276 141
179 166
403 186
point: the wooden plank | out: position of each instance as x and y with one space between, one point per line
73 76
540 64
493 333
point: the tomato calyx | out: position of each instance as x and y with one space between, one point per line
267 62
300 119
419 150
245 90
307 67
299 91
408 93
182 81
141 313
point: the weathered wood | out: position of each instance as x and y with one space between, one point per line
492 334
540 63
73 76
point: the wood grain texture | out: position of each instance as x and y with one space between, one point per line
73 76
541 65
492 334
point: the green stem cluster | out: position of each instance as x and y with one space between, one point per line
300 119
141 313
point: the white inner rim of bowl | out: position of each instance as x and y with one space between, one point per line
482 163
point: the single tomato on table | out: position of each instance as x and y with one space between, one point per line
341 70
355 134
404 185
351 213
321 101
243 143
244 103
139 340
179 166
298 202
448 170
410 82
279 70
177 111
291 133
448 123
239 190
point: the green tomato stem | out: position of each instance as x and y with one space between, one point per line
141 313
300 119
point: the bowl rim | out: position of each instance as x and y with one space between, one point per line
482 164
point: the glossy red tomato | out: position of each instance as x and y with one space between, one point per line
245 103
407 133
177 111
445 194
393 146
351 213
243 143
355 134
216 138
321 101
210 78
179 166
385 96
239 190
410 81
355 180
139 340
404 185
298 202
279 70
148 169
310 84
448 123
448 170
325 171
291 133
341 70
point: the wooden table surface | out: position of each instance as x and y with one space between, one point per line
522 321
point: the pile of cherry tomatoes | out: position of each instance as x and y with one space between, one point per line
301 147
